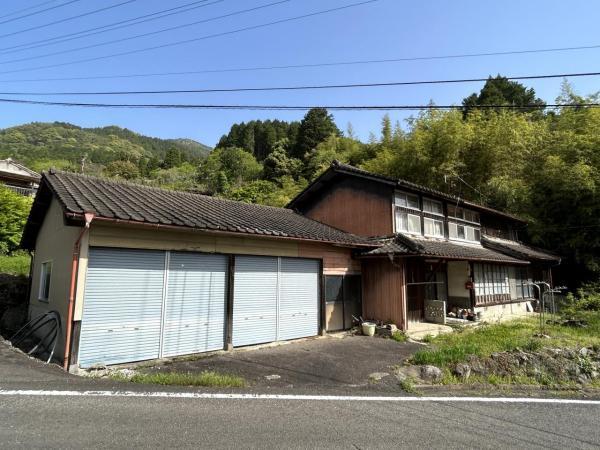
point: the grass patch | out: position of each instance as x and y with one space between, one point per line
399 336
408 385
205 378
483 341
16 264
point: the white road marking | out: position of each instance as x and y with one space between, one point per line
343 398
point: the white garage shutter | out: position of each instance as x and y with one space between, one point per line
298 298
274 299
195 306
122 308
255 300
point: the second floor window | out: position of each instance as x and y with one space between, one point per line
406 200
433 227
463 232
408 223
433 207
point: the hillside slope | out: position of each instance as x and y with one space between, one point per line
63 145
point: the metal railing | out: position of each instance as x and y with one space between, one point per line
29 192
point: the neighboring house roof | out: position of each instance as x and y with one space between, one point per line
519 250
14 170
340 168
136 204
404 245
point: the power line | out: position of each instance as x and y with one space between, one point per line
37 12
116 26
151 33
297 88
66 19
293 108
201 38
298 66
27 9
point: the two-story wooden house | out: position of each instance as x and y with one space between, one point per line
436 254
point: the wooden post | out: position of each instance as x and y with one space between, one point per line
322 309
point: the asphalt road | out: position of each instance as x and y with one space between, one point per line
54 419
102 422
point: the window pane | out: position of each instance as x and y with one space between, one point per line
432 206
452 230
477 233
414 224
470 232
412 201
46 275
461 232
400 199
401 221
333 288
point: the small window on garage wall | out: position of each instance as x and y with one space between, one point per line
333 288
45 277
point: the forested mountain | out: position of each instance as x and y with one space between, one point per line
62 145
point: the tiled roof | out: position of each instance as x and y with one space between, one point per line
404 245
338 167
519 250
121 201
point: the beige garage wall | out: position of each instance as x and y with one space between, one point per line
54 243
336 260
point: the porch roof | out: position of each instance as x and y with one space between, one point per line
404 245
520 250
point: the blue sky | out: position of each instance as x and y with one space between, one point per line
380 30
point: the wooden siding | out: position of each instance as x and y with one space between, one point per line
336 260
357 207
383 291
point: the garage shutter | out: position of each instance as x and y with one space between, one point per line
274 299
195 307
254 300
298 298
122 310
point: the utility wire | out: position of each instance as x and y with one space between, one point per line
150 33
27 9
297 66
38 12
67 19
201 38
115 26
297 88
294 108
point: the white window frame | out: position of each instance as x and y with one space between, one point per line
407 230
406 195
428 200
466 228
425 219
43 284
463 216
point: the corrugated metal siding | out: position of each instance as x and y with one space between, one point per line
122 307
255 300
195 305
298 298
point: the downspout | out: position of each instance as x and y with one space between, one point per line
89 216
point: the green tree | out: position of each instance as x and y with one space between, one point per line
173 158
14 210
231 166
501 91
122 169
316 126
279 164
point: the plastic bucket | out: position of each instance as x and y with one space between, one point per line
368 328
